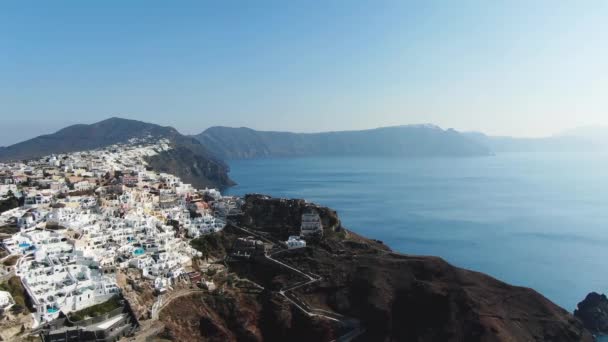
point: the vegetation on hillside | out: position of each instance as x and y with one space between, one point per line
210 245
96 310
10 202
14 287
11 261
9 230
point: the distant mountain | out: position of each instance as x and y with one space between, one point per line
596 134
398 141
546 144
85 137
189 159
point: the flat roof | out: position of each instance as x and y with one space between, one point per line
106 324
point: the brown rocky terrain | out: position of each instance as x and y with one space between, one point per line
412 298
139 294
390 296
241 315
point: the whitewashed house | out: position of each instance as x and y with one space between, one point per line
295 242
311 224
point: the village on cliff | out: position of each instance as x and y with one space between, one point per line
88 220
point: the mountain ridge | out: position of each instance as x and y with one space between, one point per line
597 134
399 141
84 137
556 143
188 159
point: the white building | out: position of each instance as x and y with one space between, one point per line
5 188
27 242
295 242
83 186
63 283
204 225
31 218
35 199
311 224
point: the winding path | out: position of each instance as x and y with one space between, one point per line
288 292
356 329
162 302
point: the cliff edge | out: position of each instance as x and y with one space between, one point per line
349 287
593 312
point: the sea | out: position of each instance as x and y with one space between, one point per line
538 220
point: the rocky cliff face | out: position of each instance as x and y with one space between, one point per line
593 312
192 168
391 296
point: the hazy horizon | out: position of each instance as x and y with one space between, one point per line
575 131
522 69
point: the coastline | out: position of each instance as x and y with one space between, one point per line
495 227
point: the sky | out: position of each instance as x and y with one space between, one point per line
519 68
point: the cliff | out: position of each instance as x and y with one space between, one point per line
192 168
398 141
593 312
365 289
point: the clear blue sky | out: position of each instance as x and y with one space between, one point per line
528 68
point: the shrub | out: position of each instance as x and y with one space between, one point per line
14 287
210 245
96 310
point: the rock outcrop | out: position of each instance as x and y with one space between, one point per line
593 312
193 168
282 217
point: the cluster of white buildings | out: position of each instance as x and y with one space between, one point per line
88 215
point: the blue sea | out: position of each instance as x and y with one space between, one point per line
536 220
